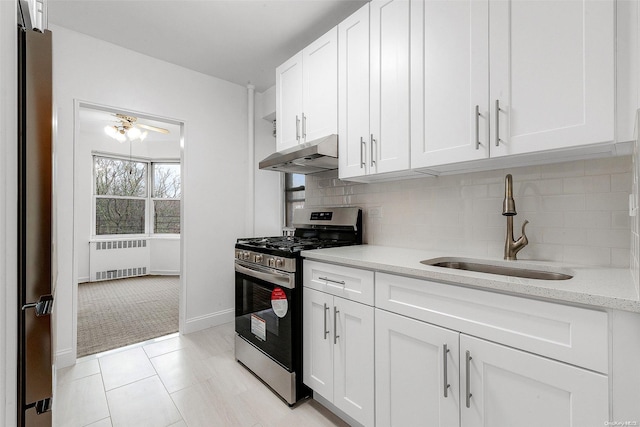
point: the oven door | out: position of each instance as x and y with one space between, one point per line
264 299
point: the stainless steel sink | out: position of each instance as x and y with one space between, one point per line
525 271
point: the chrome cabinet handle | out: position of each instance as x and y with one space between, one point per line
373 141
335 325
297 128
468 378
477 127
339 282
498 122
304 126
326 331
446 385
362 147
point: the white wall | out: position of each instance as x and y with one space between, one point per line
87 142
8 212
577 211
268 188
215 149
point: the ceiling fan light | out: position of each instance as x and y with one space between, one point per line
143 135
111 131
120 137
133 133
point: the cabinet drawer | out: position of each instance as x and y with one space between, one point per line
346 282
571 334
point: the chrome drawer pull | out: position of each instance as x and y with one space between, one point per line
339 282
326 331
468 378
498 122
335 325
445 350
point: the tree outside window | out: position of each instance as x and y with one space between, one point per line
166 198
121 194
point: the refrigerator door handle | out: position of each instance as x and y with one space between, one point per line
44 305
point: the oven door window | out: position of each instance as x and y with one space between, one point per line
263 317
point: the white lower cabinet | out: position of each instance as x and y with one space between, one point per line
414 361
450 356
508 387
432 376
338 353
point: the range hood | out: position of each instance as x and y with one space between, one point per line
311 157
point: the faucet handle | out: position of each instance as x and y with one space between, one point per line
524 236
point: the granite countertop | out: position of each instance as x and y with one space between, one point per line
599 287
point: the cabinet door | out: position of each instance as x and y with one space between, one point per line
512 388
289 103
320 86
353 360
353 94
410 373
389 114
317 342
552 74
449 82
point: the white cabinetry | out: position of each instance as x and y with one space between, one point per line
306 94
416 373
550 86
338 358
421 379
503 386
374 86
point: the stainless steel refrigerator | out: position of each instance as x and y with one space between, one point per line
34 226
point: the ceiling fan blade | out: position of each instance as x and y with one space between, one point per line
152 128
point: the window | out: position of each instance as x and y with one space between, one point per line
122 196
166 198
293 195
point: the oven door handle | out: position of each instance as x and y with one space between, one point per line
268 275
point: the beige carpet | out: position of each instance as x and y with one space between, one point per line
116 313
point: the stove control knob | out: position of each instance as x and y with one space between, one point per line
279 262
245 256
258 258
271 262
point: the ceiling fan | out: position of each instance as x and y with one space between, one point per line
127 127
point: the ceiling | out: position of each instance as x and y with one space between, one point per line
241 41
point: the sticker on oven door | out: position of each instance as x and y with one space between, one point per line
259 327
279 302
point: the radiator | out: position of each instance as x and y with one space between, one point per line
114 259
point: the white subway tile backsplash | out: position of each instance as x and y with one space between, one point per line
587 184
577 210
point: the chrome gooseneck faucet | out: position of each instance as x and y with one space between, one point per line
511 247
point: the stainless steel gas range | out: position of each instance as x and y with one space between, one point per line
269 295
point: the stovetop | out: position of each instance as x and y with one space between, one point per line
288 244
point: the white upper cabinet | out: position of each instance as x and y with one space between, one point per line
500 78
449 81
288 103
307 94
389 112
374 85
353 94
320 87
552 74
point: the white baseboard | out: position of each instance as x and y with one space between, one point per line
65 358
164 272
207 321
84 279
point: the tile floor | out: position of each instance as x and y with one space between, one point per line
190 380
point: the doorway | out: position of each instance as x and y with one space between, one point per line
128 214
